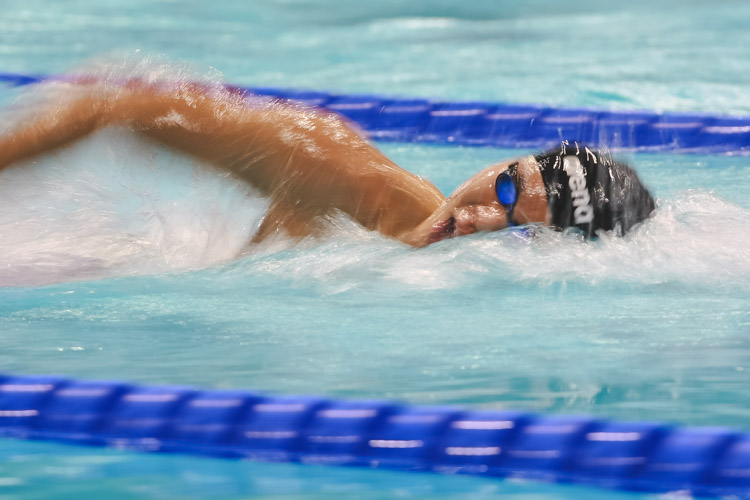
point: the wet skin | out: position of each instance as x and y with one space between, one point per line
308 162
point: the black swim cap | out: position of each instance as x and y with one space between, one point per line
588 190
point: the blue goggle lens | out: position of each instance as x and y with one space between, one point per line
505 188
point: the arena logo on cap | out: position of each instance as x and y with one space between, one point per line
583 212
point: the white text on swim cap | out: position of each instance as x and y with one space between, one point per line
583 211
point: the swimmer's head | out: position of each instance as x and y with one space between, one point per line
569 187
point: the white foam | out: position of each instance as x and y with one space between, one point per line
695 239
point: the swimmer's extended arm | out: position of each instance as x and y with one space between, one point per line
187 121
308 161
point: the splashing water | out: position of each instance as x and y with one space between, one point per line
118 205
115 204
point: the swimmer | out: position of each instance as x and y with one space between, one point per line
310 162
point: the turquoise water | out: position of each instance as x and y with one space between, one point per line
122 260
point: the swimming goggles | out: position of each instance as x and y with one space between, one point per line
506 189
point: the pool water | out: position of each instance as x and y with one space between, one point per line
122 260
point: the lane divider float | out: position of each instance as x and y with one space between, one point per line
637 456
513 125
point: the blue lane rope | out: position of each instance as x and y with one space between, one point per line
637 456
516 126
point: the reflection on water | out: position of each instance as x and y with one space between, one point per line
70 473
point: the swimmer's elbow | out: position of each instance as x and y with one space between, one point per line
136 110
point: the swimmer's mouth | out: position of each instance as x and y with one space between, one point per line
443 230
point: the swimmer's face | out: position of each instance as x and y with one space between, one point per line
473 207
